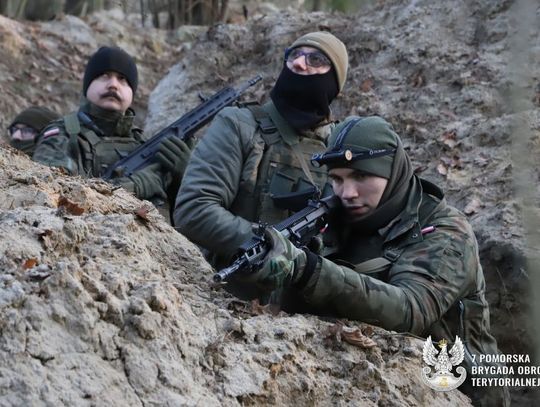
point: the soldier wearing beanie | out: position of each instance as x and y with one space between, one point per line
253 162
397 255
26 126
101 132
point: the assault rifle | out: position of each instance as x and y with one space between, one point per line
184 128
298 228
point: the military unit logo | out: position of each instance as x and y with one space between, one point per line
443 379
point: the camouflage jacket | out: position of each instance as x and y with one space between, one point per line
229 181
429 280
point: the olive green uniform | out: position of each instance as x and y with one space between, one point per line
89 148
237 171
427 280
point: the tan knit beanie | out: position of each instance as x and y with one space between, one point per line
332 47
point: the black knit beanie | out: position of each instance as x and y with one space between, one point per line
110 59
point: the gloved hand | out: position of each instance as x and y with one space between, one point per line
146 183
173 155
316 245
283 265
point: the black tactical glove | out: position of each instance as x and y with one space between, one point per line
146 183
173 155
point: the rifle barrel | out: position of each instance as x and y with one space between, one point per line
184 127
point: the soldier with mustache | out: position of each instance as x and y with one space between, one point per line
101 132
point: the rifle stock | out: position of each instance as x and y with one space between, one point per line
298 228
184 128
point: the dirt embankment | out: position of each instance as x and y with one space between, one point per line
101 304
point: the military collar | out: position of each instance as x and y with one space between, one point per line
110 122
289 134
26 146
408 220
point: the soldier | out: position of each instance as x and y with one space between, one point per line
397 256
252 163
26 126
101 132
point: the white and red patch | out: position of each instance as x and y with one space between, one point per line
427 229
51 132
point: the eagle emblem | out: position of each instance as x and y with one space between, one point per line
443 361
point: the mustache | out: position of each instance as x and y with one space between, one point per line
113 94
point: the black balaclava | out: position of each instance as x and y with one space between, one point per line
304 100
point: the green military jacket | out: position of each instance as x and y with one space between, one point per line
428 280
87 149
432 282
88 141
236 171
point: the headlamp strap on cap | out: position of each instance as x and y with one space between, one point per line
343 133
337 153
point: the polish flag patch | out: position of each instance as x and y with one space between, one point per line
51 132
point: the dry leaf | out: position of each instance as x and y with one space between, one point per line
448 138
28 264
275 369
142 212
44 233
441 169
236 306
366 85
354 336
70 207
357 338
258 309
368 330
472 206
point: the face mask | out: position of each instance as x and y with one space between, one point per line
304 100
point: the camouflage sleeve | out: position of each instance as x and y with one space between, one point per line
421 286
52 149
209 187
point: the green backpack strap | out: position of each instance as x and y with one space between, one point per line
271 135
82 141
73 127
269 131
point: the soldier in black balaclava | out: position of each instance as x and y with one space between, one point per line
253 162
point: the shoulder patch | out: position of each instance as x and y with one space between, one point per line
427 229
51 132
